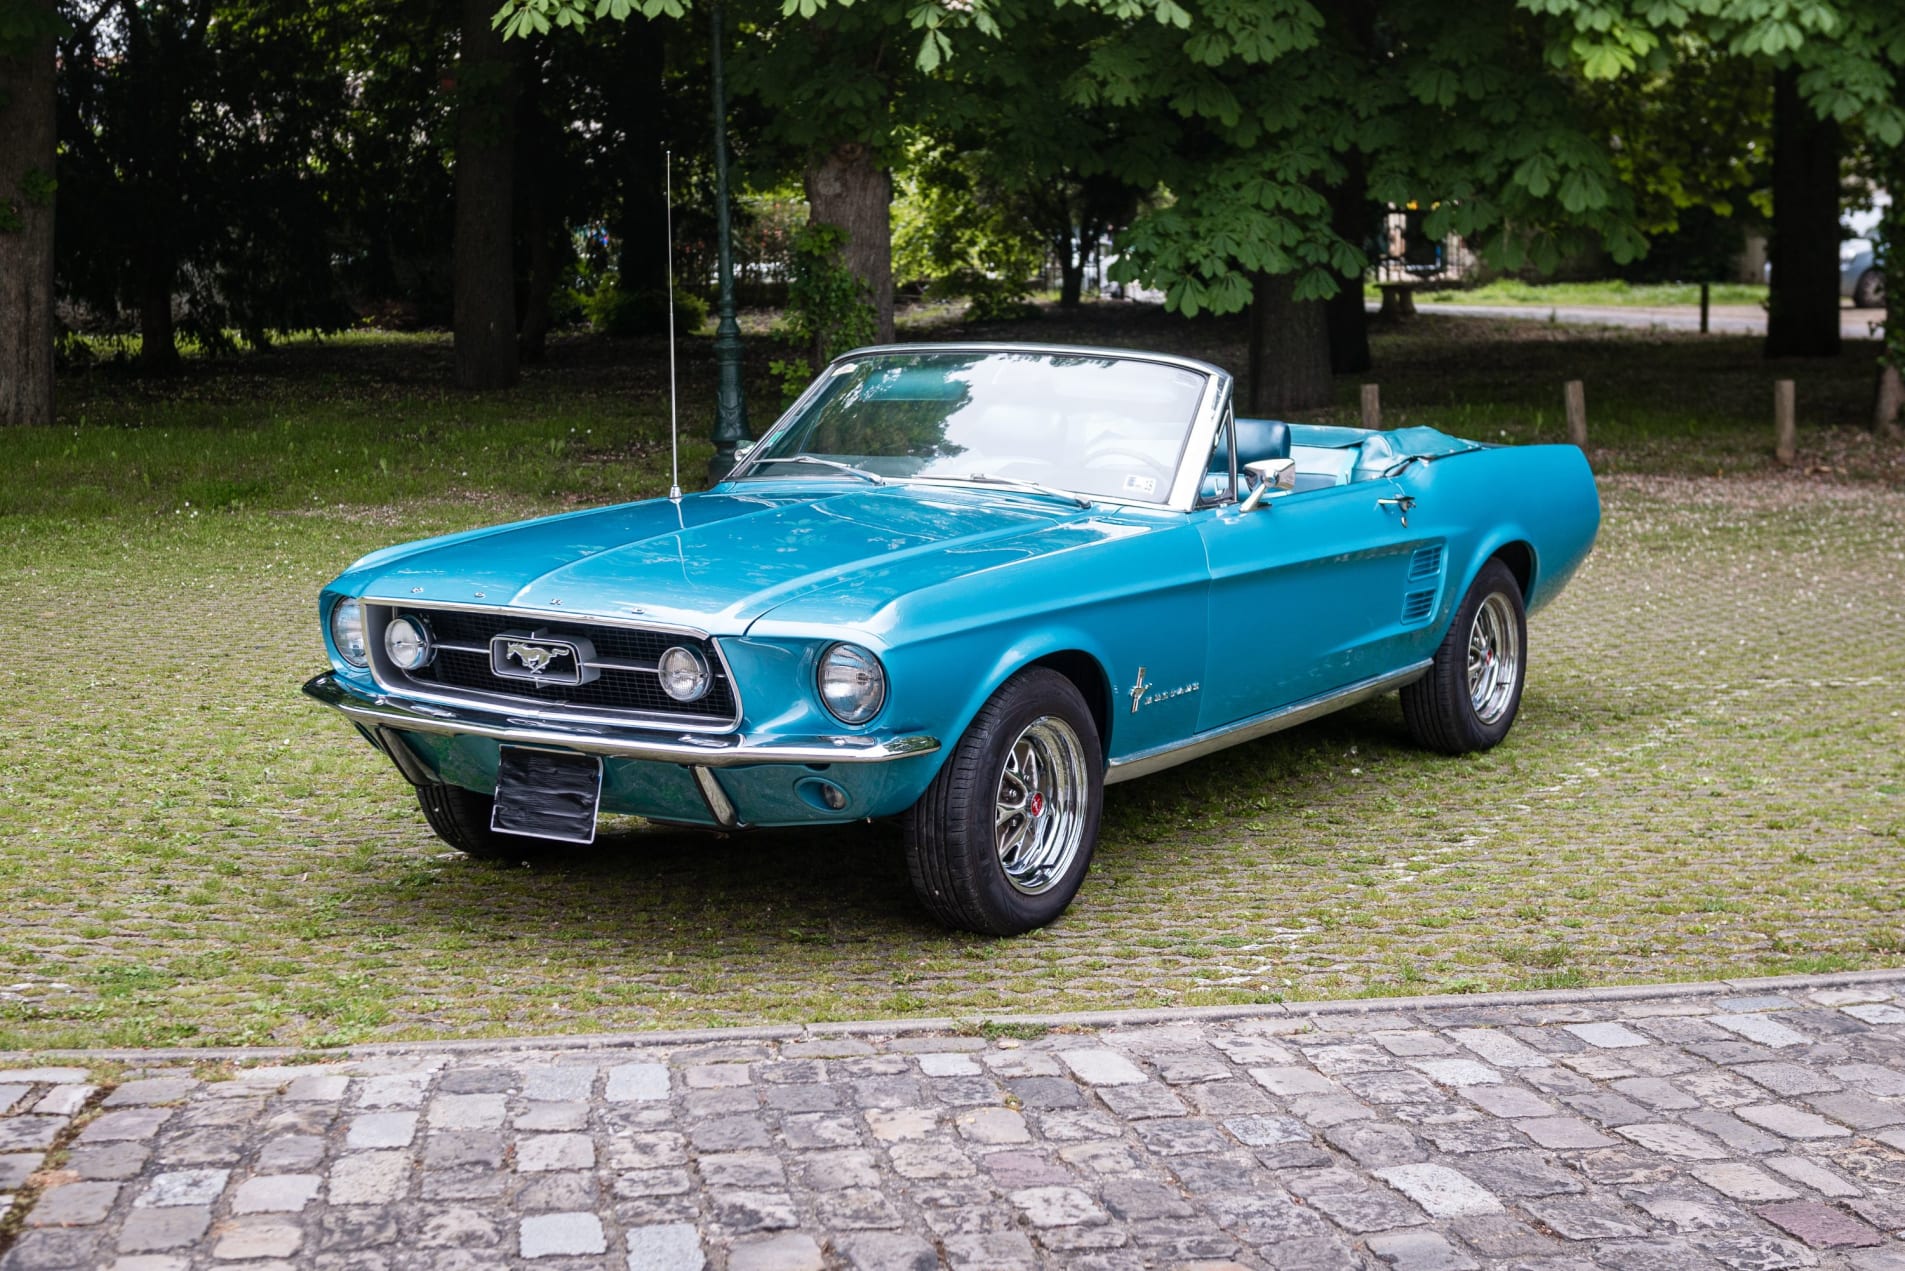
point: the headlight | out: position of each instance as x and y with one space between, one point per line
347 631
852 683
407 641
684 674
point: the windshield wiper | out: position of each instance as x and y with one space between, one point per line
874 477
1011 483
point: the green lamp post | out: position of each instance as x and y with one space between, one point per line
730 408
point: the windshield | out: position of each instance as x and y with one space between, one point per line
1099 425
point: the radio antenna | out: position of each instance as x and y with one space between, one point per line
674 428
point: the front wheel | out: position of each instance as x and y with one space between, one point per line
461 818
1001 839
1469 698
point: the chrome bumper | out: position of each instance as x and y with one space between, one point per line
729 751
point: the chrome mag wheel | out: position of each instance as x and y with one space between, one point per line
1039 817
1494 658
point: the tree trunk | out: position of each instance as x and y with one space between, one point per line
538 282
1072 250
1803 305
850 189
1071 283
1889 399
537 145
158 345
1289 349
485 284
1348 320
637 99
26 247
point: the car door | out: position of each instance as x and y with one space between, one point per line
1310 593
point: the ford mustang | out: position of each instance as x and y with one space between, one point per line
965 585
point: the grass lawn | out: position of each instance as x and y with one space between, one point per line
1708 776
1513 291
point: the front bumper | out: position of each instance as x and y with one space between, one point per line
650 772
726 751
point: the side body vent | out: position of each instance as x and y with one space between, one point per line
1426 563
1418 605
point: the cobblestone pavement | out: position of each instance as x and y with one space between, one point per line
1749 1126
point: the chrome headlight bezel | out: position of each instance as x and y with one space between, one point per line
850 682
408 643
348 634
682 667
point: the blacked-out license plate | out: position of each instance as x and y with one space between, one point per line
547 794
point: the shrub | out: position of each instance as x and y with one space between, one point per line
614 312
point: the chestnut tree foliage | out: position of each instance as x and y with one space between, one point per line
1842 62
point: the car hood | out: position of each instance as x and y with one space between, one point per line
720 559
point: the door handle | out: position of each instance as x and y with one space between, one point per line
1402 503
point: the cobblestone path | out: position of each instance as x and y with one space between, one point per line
1741 1126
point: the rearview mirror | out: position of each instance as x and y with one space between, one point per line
1271 474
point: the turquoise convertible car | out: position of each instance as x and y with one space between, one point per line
963 585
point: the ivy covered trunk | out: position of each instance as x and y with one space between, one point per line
26 224
850 188
1890 398
484 300
1803 304
1289 349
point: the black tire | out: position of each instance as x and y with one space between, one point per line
1037 722
1869 291
461 818
1442 707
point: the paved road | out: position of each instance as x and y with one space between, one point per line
1854 324
1746 1126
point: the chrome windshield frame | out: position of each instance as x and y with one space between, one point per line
1192 460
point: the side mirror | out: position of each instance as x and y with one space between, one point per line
1271 474
741 451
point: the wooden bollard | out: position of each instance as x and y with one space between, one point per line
1372 406
1576 396
1785 424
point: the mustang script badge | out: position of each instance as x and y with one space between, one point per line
1144 693
527 655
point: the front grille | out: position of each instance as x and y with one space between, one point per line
461 667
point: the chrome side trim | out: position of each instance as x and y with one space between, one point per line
725 751
1146 762
716 798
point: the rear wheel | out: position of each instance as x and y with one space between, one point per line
1469 698
1869 291
1000 841
461 818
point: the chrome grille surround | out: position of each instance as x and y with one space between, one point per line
719 711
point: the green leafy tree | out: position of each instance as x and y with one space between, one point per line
1840 73
1281 113
201 151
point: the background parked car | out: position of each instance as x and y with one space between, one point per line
1860 278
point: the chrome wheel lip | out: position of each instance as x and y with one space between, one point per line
1039 807
1494 658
